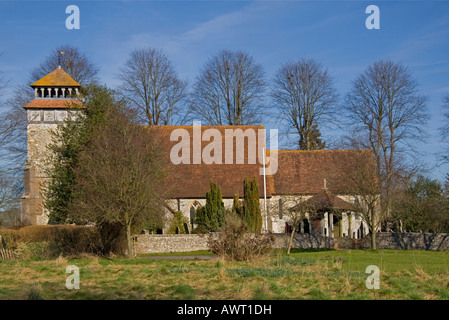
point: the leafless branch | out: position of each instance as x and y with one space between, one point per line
386 109
151 84
72 61
229 90
304 94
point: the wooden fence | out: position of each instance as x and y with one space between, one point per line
7 254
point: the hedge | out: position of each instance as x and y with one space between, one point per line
65 240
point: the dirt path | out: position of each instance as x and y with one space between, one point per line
193 257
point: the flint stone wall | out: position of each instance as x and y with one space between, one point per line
408 241
159 243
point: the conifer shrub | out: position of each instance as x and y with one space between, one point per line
177 223
249 208
200 229
211 217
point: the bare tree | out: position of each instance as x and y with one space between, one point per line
295 215
446 104
9 199
3 84
445 128
304 93
385 107
9 184
120 177
12 140
6 127
14 122
150 82
229 90
8 132
362 182
72 61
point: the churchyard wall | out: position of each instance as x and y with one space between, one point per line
159 243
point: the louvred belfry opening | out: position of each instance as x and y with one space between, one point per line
55 90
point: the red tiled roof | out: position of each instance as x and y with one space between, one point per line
56 78
52 104
326 200
193 180
303 172
299 172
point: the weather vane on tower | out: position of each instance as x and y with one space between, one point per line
60 53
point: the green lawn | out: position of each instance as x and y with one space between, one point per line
387 260
301 275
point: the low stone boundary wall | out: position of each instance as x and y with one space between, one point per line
303 241
158 243
408 241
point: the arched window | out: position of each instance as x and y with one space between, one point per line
195 205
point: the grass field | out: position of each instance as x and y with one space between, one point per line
326 275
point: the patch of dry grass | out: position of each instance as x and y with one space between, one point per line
298 276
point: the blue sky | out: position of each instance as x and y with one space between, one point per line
415 33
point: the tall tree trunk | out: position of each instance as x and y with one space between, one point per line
291 240
375 224
129 241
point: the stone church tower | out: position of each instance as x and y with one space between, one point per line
54 96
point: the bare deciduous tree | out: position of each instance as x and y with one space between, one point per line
9 184
6 129
446 104
3 84
386 108
295 215
362 183
229 90
150 82
304 93
120 177
445 128
13 140
14 121
9 200
72 61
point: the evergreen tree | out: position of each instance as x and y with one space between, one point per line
237 208
251 210
313 140
212 215
177 223
67 142
423 207
59 190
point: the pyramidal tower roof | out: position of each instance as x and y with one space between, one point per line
57 90
56 78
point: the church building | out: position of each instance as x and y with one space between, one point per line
287 178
